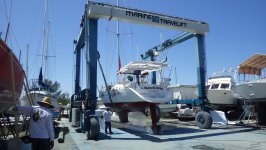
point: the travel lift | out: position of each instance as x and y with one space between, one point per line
86 99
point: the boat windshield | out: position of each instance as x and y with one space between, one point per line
215 86
224 86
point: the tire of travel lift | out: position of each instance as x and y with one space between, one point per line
204 120
94 130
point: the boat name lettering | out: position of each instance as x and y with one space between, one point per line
152 87
156 19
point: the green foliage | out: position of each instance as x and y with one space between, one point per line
63 98
54 89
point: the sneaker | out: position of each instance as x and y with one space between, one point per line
111 133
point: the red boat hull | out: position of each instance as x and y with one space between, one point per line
6 90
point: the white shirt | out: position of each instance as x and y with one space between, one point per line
107 116
43 128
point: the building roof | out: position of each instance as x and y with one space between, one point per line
253 65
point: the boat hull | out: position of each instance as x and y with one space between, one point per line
38 96
253 91
128 107
129 99
221 97
6 89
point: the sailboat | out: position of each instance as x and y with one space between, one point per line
11 74
136 93
38 87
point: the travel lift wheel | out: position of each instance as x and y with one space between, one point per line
94 129
204 120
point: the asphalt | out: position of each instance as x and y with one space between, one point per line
175 134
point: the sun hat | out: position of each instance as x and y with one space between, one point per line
46 100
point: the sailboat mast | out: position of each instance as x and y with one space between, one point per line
46 51
44 37
118 44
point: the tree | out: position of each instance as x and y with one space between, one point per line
63 98
54 90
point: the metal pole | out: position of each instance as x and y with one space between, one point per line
91 48
201 66
14 98
153 78
27 60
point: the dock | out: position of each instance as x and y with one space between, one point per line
175 134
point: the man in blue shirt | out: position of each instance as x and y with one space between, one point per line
41 129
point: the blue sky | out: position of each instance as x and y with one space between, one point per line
237 31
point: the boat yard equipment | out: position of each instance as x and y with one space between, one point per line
88 39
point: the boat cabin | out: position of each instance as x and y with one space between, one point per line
220 83
141 69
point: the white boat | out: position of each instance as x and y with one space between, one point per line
36 94
253 70
221 90
136 93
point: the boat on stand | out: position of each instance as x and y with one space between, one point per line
221 92
221 89
135 92
252 86
10 70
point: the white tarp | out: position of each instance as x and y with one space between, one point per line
219 117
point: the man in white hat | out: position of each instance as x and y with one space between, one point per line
41 129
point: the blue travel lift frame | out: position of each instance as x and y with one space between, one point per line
203 119
86 99
89 123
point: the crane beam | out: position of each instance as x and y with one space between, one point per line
107 11
166 45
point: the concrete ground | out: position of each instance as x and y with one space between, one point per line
174 135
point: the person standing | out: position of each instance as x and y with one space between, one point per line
107 118
41 128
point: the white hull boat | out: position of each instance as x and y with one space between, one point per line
37 96
253 91
136 94
221 90
254 70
